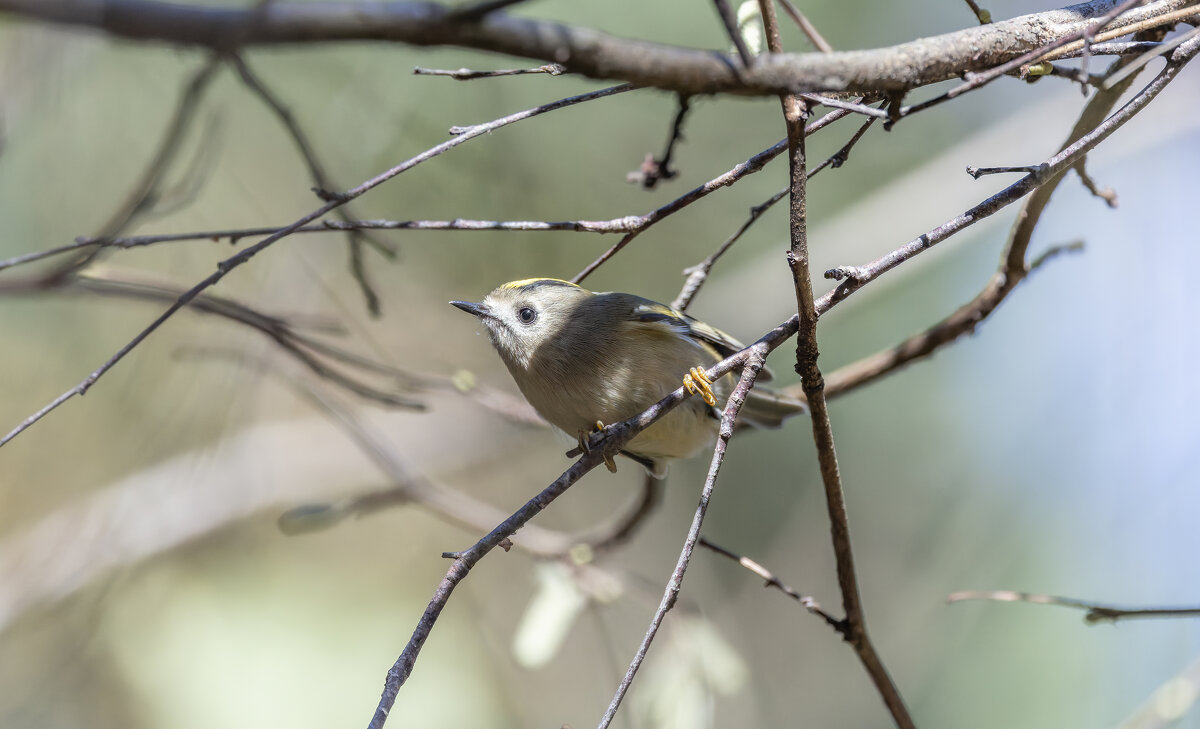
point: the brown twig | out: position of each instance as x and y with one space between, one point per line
855 630
754 365
654 169
1107 194
225 266
735 35
770 580
807 28
1096 612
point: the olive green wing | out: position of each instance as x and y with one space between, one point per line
654 313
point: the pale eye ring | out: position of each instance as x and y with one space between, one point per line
526 315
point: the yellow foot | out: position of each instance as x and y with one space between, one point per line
586 448
697 383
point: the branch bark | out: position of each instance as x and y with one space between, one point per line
583 50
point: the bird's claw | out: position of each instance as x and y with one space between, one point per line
585 445
697 383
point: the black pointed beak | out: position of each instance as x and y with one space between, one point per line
479 310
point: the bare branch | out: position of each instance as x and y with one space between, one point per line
589 52
735 34
770 580
654 168
809 30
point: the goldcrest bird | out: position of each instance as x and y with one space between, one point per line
586 359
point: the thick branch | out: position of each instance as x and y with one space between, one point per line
583 50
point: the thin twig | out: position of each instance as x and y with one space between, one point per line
654 168
731 27
1096 612
977 172
847 105
1150 55
807 28
1107 194
246 254
466 74
983 16
770 580
750 166
754 365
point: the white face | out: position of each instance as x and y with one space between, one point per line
516 323
522 317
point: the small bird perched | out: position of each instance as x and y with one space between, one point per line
584 359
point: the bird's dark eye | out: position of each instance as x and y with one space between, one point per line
526 315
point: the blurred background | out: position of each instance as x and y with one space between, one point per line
145 582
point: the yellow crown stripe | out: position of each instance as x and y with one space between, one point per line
533 282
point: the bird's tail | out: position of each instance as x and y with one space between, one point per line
766 408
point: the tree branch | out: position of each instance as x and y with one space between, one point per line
583 50
813 384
